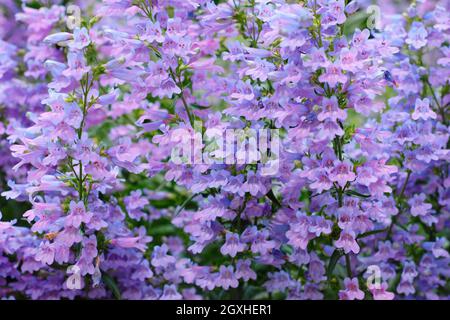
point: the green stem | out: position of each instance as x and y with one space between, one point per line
186 107
319 26
80 181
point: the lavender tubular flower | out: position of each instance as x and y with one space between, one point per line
233 149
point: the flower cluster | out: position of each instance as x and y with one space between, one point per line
315 159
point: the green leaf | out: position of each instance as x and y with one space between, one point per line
337 254
112 285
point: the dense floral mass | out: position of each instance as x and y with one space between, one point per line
240 149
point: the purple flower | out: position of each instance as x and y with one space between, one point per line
235 51
316 269
331 110
170 293
90 120
437 248
45 253
298 234
139 242
125 151
405 287
152 32
259 69
69 236
90 247
60 37
321 181
242 91
77 67
417 36
311 292
167 88
330 129
260 244
73 115
336 8
317 59
360 38
244 271
349 60
278 281
160 258
380 293
409 271
366 176
254 185
56 153
351 7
